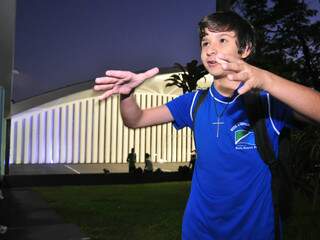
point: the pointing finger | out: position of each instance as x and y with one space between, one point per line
103 87
245 88
119 74
150 73
106 80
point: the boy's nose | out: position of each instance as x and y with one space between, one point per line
212 51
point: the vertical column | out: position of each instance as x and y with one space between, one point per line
148 129
169 142
102 121
164 136
179 145
28 139
169 139
23 141
184 145
19 138
64 134
35 138
174 145
137 135
189 143
89 134
57 135
143 130
114 120
70 117
108 147
153 137
13 141
125 146
95 130
120 136
158 133
83 131
48 136
76 133
42 137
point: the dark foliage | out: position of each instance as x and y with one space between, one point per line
287 38
188 77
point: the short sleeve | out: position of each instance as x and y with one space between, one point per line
180 108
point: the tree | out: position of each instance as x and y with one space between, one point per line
188 77
287 40
300 39
224 5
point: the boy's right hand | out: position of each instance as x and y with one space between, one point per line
121 82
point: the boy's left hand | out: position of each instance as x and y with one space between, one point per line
239 70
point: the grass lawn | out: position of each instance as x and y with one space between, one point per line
149 211
142 211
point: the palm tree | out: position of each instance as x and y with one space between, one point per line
189 76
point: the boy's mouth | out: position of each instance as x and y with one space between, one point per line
212 63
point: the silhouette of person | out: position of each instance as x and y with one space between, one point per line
148 166
192 160
131 159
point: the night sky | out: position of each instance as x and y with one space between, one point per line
63 42
60 43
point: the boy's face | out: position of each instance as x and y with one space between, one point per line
218 42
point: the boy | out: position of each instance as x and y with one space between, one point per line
230 194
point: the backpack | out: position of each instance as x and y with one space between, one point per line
281 183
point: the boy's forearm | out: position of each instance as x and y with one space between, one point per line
301 99
134 117
130 111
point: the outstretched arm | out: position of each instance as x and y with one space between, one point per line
124 83
303 100
121 82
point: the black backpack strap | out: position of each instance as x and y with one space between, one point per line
286 187
257 114
201 97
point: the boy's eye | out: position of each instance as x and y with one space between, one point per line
204 44
223 40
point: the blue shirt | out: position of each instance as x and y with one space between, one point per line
230 194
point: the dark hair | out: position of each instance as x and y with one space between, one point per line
230 21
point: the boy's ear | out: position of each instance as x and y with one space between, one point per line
245 53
